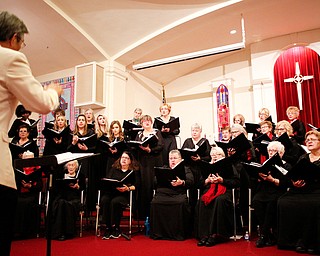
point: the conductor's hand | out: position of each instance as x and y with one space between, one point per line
56 87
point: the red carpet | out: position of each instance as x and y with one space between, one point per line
139 245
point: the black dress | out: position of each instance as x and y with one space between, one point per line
299 130
170 216
87 169
195 166
27 218
147 163
113 202
169 141
265 201
299 215
66 207
100 165
217 216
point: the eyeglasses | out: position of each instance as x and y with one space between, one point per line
125 157
23 44
280 129
311 140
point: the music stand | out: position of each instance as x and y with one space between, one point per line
52 162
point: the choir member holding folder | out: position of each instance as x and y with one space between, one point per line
115 144
84 141
170 216
132 127
149 156
299 208
272 183
193 150
29 184
214 215
260 143
169 127
299 129
123 177
293 150
57 137
66 204
23 118
23 143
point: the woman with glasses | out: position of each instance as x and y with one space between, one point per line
299 208
271 186
214 215
115 196
292 149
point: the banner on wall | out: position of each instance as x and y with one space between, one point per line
66 103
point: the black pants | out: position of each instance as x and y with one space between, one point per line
8 202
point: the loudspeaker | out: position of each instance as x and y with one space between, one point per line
89 86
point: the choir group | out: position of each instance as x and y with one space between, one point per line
185 191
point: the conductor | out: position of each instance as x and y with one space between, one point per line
16 84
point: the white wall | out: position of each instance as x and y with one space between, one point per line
251 72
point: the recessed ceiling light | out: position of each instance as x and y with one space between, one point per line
233 31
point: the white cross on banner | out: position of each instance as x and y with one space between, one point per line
298 79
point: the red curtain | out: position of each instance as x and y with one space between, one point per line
286 93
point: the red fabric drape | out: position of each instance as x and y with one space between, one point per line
286 93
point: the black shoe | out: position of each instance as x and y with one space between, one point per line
115 233
61 238
202 241
301 249
313 251
261 242
107 234
210 242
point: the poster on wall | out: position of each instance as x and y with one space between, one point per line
66 103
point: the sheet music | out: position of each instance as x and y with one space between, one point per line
68 156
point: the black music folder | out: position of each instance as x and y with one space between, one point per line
69 181
253 168
30 177
285 141
220 167
89 140
33 125
173 124
113 183
252 128
17 149
119 145
313 127
49 125
131 126
262 143
51 133
165 175
151 140
187 153
304 170
239 144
